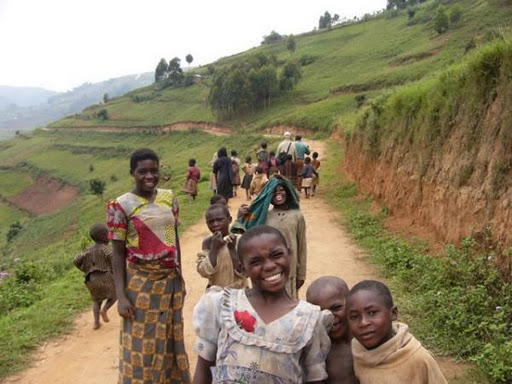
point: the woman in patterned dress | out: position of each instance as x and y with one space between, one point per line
149 286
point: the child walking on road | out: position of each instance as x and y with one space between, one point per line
96 264
193 176
260 335
248 169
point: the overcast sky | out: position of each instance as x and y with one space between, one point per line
61 44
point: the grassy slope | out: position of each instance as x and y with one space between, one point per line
378 53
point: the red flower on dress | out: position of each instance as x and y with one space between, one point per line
245 320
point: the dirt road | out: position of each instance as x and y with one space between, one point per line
91 357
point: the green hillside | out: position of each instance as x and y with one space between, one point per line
365 59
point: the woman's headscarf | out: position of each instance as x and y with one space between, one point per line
259 208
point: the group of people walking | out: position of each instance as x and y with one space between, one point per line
250 325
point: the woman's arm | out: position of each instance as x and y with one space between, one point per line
203 374
124 307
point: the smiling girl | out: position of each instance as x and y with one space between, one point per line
260 335
286 217
149 286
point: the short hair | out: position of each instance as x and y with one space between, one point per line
141 155
248 159
315 155
233 152
98 232
191 162
220 206
375 286
272 153
259 169
258 231
264 144
298 137
222 152
323 282
216 199
307 160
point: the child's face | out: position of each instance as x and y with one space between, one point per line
279 195
334 299
146 175
266 262
218 221
370 319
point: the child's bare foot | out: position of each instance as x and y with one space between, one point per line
96 326
104 316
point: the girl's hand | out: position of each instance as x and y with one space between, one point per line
125 308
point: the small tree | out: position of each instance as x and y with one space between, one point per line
103 114
274 37
441 22
14 229
325 20
106 98
455 14
189 59
97 187
161 70
91 168
291 45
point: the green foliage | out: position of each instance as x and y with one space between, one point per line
14 229
306 60
290 76
325 21
441 21
455 13
161 70
106 98
189 58
291 44
272 38
97 187
102 114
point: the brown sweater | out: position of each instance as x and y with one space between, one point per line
401 360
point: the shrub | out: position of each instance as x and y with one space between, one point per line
455 13
441 21
14 229
102 114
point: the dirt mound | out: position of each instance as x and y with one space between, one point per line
46 195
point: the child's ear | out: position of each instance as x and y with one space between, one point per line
394 313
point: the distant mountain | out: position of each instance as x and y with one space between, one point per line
24 108
23 96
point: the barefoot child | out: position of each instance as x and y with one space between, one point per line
316 180
193 176
248 169
218 260
308 172
330 293
96 264
260 335
385 352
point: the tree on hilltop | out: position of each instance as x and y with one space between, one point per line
189 59
273 37
291 45
325 21
161 70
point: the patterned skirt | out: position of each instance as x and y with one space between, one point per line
101 285
152 348
190 187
